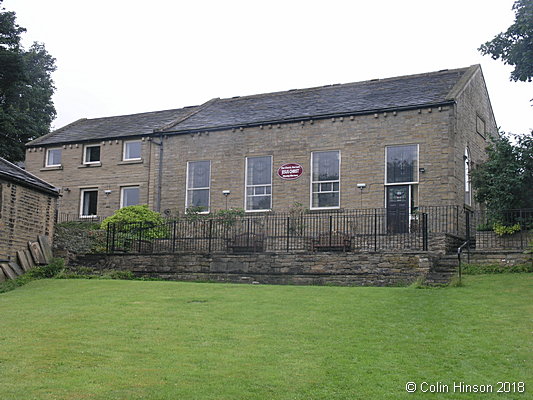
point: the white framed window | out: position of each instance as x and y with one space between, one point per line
198 185
89 203
468 183
53 157
129 196
401 164
91 154
325 179
132 150
258 188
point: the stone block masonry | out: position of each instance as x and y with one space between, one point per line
24 214
324 268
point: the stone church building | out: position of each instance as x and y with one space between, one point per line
395 143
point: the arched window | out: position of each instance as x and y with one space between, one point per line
468 184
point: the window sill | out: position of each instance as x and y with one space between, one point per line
90 165
325 209
127 162
52 168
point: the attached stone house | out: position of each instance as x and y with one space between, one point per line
395 143
27 209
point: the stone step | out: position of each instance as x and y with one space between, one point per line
444 270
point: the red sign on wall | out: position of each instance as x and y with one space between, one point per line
290 171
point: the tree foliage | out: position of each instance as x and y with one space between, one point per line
26 89
505 180
515 46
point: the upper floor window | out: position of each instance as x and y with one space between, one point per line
468 184
129 196
132 150
402 164
198 185
91 155
53 157
325 179
258 183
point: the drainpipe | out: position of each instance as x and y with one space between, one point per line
159 174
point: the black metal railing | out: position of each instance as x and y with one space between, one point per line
364 230
65 217
506 229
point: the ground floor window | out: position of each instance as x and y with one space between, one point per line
129 196
89 202
198 185
325 179
258 183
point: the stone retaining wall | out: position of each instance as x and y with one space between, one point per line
497 257
364 269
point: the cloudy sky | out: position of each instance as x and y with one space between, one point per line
126 56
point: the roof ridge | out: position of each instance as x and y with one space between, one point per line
139 113
187 116
283 92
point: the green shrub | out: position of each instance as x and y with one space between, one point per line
84 225
152 223
502 230
51 270
486 226
228 217
134 214
47 271
79 237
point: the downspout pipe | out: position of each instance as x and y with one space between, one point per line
159 174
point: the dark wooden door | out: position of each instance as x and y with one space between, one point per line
398 209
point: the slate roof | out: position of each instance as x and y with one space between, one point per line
15 174
352 98
113 127
433 88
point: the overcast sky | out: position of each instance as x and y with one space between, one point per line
119 57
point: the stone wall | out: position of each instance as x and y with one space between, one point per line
24 215
496 257
364 269
361 141
472 103
444 243
111 174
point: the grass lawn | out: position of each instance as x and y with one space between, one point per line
108 339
